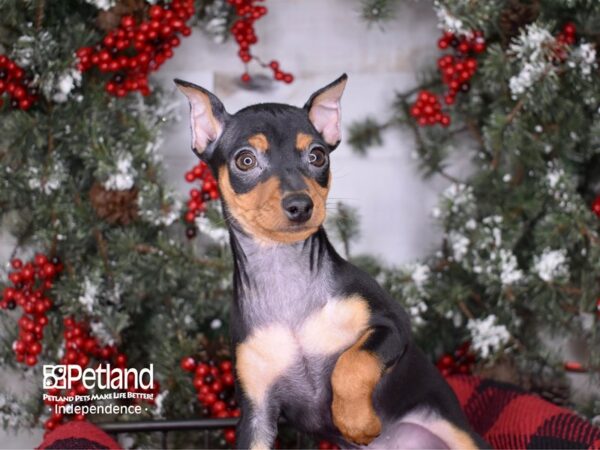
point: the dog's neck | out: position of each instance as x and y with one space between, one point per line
280 282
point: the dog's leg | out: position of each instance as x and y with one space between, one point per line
261 360
355 375
258 426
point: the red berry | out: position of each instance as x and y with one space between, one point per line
218 407
446 361
245 77
596 206
188 364
226 366
121 360
202 370
210 399
569 28
228 379
40 260
229 436
50 424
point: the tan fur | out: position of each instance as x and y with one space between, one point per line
354 378
318 194
453 436
260 213
259 142
258 445
335 327
263 358
303 141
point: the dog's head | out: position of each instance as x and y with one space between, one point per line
271 160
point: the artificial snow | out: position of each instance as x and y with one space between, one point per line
218 234
486 336
104 5
124 177
420 275
509 271
531 48
88 298
65 83
551 264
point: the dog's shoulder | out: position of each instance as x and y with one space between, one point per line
351 280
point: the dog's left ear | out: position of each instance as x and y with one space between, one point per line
207 118
324 111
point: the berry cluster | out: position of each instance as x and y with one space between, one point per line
428 110
13 82
133 50
461 362
456 70
206 192
245 36
214 382
30 283
80 349
567 36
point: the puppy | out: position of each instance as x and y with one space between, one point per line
316 339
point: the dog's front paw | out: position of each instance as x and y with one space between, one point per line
354 377
356 419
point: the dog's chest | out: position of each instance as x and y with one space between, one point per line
296 329
291 365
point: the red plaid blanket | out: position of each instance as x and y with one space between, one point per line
509 418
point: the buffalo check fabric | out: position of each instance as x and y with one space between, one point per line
510 418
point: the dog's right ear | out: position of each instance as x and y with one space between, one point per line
207 117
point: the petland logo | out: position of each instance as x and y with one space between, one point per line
102 377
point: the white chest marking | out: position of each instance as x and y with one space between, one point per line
266 355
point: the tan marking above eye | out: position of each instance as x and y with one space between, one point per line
303 140
259 142
336 326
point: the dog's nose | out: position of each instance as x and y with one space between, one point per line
298 207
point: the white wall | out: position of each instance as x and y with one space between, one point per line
317 41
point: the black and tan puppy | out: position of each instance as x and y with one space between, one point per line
316 339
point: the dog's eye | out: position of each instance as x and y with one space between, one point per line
317 157
245 160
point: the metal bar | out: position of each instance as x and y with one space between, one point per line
167 425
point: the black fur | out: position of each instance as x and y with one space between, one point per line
303 396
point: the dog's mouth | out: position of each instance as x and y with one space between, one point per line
296 227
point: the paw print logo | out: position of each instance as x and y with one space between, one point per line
55 377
